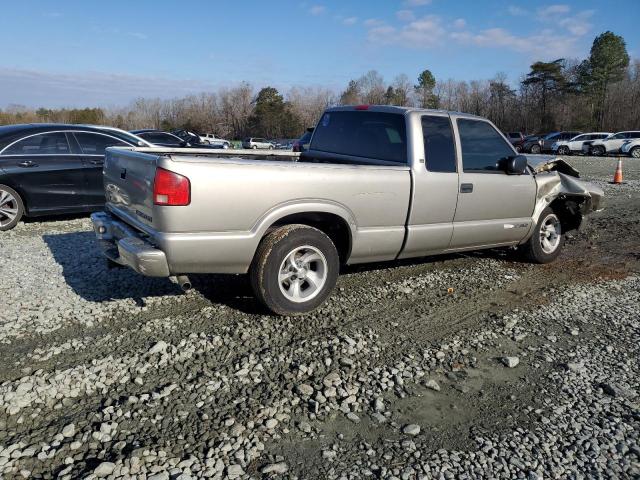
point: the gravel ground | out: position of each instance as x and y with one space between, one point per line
467 366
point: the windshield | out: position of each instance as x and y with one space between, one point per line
551 136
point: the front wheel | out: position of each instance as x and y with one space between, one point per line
547 240
254 147
535 149
294 270
597 151
635 152
11 208
564 151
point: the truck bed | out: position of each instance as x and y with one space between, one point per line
236 198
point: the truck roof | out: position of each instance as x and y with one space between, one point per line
399 110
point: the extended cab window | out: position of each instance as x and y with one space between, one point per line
439 151
483 148
375 135
41 144
95 144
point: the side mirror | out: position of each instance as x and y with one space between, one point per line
516 165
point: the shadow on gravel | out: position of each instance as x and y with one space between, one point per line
85 271
234 291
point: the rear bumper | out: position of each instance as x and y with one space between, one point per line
125 246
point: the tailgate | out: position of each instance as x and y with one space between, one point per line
128 183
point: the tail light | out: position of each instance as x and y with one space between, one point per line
170 188
362 107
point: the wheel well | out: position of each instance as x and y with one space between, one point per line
569 211
334 226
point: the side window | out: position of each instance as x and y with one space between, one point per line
634 135
439 150
483 149
619 136
95 144
42 144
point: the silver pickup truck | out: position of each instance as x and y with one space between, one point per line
378 183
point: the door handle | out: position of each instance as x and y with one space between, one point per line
97 162
466 187
27 164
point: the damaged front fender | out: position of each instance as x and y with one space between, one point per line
559 186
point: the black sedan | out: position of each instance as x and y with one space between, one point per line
48 169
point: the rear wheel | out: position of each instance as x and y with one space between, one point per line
545 244
597 151
564 150
535 149
635 152
11 208
254 147
294 269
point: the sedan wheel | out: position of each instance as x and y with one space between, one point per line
563 150
11 208
597 151
535 149
635 152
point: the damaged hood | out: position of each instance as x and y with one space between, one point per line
546 163
557 179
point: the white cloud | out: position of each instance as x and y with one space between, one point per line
372 22
405 15
578 24
425 32
317 10
516 11
350 20
37 88
553 10
138 35
417 3
545 44
460 23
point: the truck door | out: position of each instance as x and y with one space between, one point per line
435 186
493 208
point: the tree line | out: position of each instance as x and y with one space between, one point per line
601 92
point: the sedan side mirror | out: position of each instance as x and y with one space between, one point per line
516 165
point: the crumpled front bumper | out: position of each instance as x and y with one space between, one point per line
125 246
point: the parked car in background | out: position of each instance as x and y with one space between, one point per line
358 195
257 143
611 144
302 144
574 145
548 140
631 147
531 144
211 139
48 169
516 138
191 137
160 138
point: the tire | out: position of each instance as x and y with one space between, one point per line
11 208
274 275
635 152
564 150
518 148
270 147
547 240
535 149
597 151
254 147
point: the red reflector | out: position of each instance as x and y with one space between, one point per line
170 188
362 107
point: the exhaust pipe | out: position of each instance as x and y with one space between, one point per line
184 282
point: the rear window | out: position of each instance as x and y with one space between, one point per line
375 135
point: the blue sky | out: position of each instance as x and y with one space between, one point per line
84 53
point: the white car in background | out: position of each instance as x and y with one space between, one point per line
574 145
631 147
211 139
611 144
